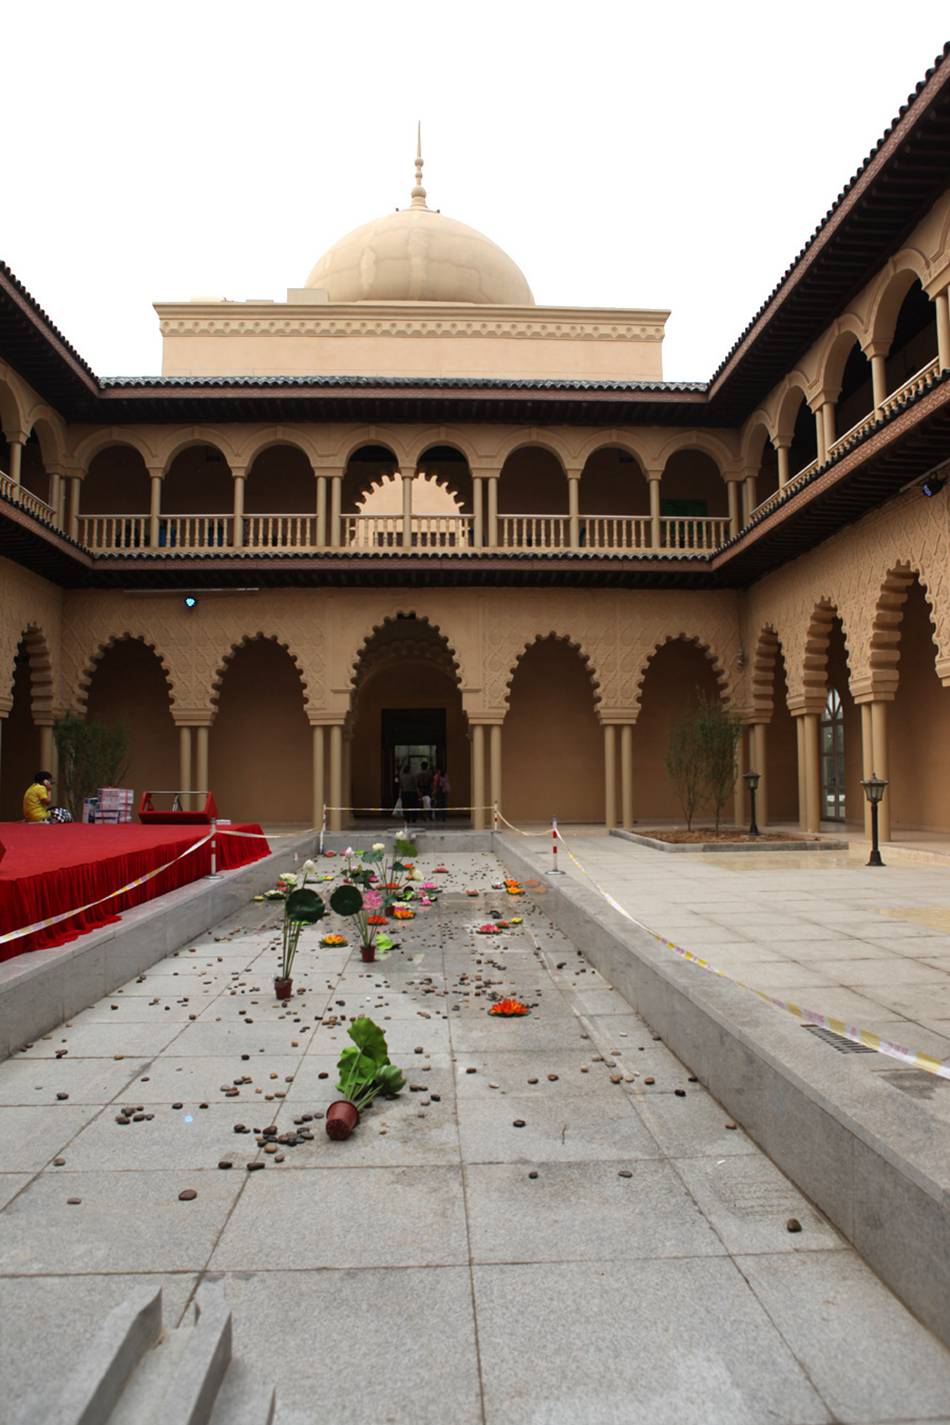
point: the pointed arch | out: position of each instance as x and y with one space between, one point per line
557 637
885 642
767 651
261 634
42 678
389 621
696 640
93 659
814 654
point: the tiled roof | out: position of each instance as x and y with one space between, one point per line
425 383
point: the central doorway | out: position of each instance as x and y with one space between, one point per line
413 736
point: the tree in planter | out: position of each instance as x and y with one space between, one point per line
718 730
685 764
91 755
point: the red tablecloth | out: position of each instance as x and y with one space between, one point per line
51 869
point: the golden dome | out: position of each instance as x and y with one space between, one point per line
417 255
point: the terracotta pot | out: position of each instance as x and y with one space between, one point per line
342 1118
283 989
368 953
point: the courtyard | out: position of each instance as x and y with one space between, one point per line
553 1222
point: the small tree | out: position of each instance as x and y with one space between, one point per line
718 730
685 764
91 755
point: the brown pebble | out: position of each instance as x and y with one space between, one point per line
121 1118
552 1078
187 1195
225 1163
793 1225
471 1071
59 1162
680 1093
518 1123
62 1095
649 1079
253 1167
532 1175
625 1173
74 1201
177 1105
730 1125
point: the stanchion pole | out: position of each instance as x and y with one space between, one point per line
323 827
494 817
214 846
555 869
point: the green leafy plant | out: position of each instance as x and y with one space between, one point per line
302 907
685 763
91 755
718 732
364 1067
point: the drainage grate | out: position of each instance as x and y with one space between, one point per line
843 1046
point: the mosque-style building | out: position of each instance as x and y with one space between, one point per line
410 513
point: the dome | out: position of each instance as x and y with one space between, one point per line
417 255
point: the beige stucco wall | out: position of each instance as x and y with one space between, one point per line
409 339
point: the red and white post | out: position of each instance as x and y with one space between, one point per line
555 868
214 846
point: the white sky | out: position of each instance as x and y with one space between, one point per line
625 154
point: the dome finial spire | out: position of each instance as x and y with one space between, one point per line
418 192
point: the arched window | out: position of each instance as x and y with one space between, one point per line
832 758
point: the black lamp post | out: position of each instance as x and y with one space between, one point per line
874 789
751 780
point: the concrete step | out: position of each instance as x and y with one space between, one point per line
134 1373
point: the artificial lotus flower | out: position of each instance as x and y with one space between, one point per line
489 928
509 1009
333 942
379 846
309 868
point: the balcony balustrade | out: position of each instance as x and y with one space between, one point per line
912 387
25 499
533 532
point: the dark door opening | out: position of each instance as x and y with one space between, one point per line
413 736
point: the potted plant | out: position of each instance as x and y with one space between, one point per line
349 900
364 1070
301 907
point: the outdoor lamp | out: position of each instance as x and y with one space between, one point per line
751 780
874 789
190 601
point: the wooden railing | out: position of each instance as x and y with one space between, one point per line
439 532
113 533
533 532
911 387
25 499
194 532
372 531
693 533
280 532
607 532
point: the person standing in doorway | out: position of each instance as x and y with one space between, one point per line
441 789
407 790
424 791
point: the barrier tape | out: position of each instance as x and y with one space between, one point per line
266 835
853 1032
389 810
132 885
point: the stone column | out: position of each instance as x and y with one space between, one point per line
72 517
738 800
867 764
336 775
237 526
942 304
732 493
574 508
336 507
321 511
828 425
348 767
748 498
758 764
492 531
626 775
656 529
184 763
16 443
478 531
811 771
46 745
879 761
781 452
820 437
610 775
319 792
878 379
154 507
478 776
407 511
55 495
495 764
800 749
201 759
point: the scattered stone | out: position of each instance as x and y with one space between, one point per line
793 1225
73 1201
121 1118
625 1173
731 1125
62 1095
552 1078
187 1195
255 1167
532 1175
59 1162
518 1123
649 1079
225 1163
680 1093
178 1105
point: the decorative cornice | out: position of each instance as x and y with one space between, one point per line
264 319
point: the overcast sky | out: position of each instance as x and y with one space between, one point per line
625 154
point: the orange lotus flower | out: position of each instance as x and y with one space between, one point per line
376 920
331 941
509 1008
404 913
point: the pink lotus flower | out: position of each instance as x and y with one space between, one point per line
372 900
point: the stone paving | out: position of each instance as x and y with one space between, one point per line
553 1223
869 945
